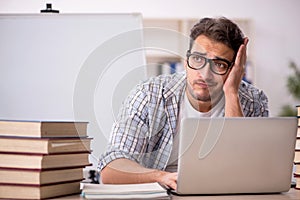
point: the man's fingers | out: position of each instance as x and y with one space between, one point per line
241 56
246 40
173 185
170 180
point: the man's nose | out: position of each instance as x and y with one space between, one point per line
206 72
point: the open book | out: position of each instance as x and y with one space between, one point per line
124 191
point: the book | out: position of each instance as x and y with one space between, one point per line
18 191
297 183
298 116
40 161
44 145
124 191
39 177
297 157
297 170
43 129
297 177
297 147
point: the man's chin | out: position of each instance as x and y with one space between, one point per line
203 98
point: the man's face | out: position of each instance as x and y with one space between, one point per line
204 85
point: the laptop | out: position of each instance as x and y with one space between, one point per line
236 155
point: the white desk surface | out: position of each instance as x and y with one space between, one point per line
293 194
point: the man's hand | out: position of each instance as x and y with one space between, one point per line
232 83
168 179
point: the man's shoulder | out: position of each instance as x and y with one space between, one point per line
248 90
164 80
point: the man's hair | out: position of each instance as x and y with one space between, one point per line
220 30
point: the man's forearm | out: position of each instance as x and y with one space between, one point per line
124 171
233 106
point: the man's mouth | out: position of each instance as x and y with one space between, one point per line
204 84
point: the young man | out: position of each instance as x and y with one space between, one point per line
143 146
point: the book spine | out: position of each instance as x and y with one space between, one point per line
297 153
46 154
39 185
298 130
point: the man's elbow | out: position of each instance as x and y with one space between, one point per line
106 176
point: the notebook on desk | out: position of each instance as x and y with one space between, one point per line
236 155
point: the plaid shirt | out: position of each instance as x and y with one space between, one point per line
147 121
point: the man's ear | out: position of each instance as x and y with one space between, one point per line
185 65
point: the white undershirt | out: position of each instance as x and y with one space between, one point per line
187 110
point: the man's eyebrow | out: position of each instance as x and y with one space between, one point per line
220 58
224 59
204 54
199 53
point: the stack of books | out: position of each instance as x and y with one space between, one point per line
297 152
42 159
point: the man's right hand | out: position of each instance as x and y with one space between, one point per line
167 179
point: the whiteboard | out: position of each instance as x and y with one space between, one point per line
70 67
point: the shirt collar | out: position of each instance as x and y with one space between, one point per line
176 86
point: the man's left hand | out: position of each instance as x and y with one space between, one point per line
232 83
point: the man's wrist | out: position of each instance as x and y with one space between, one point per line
232 105
231 95
157 175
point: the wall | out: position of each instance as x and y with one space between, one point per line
276 27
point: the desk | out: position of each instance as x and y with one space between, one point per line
291 195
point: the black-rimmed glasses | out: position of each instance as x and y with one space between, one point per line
218 66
